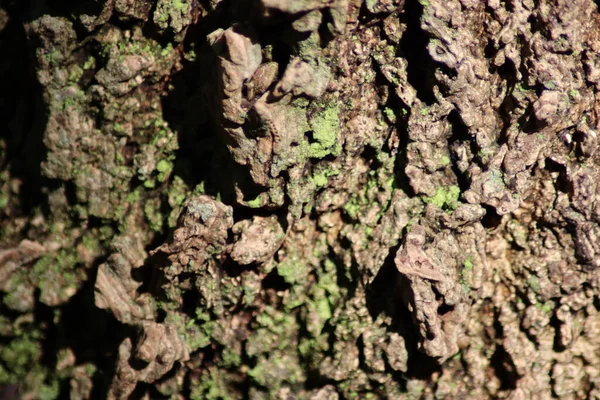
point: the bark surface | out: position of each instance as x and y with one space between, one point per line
312 199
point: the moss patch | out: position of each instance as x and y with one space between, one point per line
325 126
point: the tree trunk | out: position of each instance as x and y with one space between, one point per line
312 199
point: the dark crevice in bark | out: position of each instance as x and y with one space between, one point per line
505 369
274 281
197 138
460 134
498 328
151 274
402 180
325 33
106 362
381 295
562 183
491 219
420 365
22 111
507 72
413 46
341 279
528 123
201 153
43 316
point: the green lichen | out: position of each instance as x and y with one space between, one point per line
3 200
292 270
173 14
209 386
465 274
255 203
325 126
58 276
75 73
164 168
546 307
49 392
19 356
534 283
231 358
153 214
178 192
320 180
89 63
446 199
72 99
352 208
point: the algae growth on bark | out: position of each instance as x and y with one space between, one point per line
311 199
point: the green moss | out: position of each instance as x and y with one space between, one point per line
292 270
496 180
465 274
352 208
230 358
391 182
134 197
153 214
446 199
178 192
149 184
166 50
320 180
275 321
89 63
445 160
209 386
75 73
58 275
164 168
49 392
19 356
546 308
72 100
534 283
390 115
200 189
90 242
3 200
468 263
255 203
180 5
325 126
300 102
197 338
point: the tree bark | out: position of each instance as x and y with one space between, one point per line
312 199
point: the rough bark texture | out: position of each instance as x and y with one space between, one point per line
312 199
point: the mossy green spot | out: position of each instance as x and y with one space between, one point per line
255 203
446 199
534 283
320 180
325 127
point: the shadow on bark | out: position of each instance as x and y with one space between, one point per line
386 294
22 111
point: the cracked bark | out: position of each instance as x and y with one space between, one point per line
313 199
